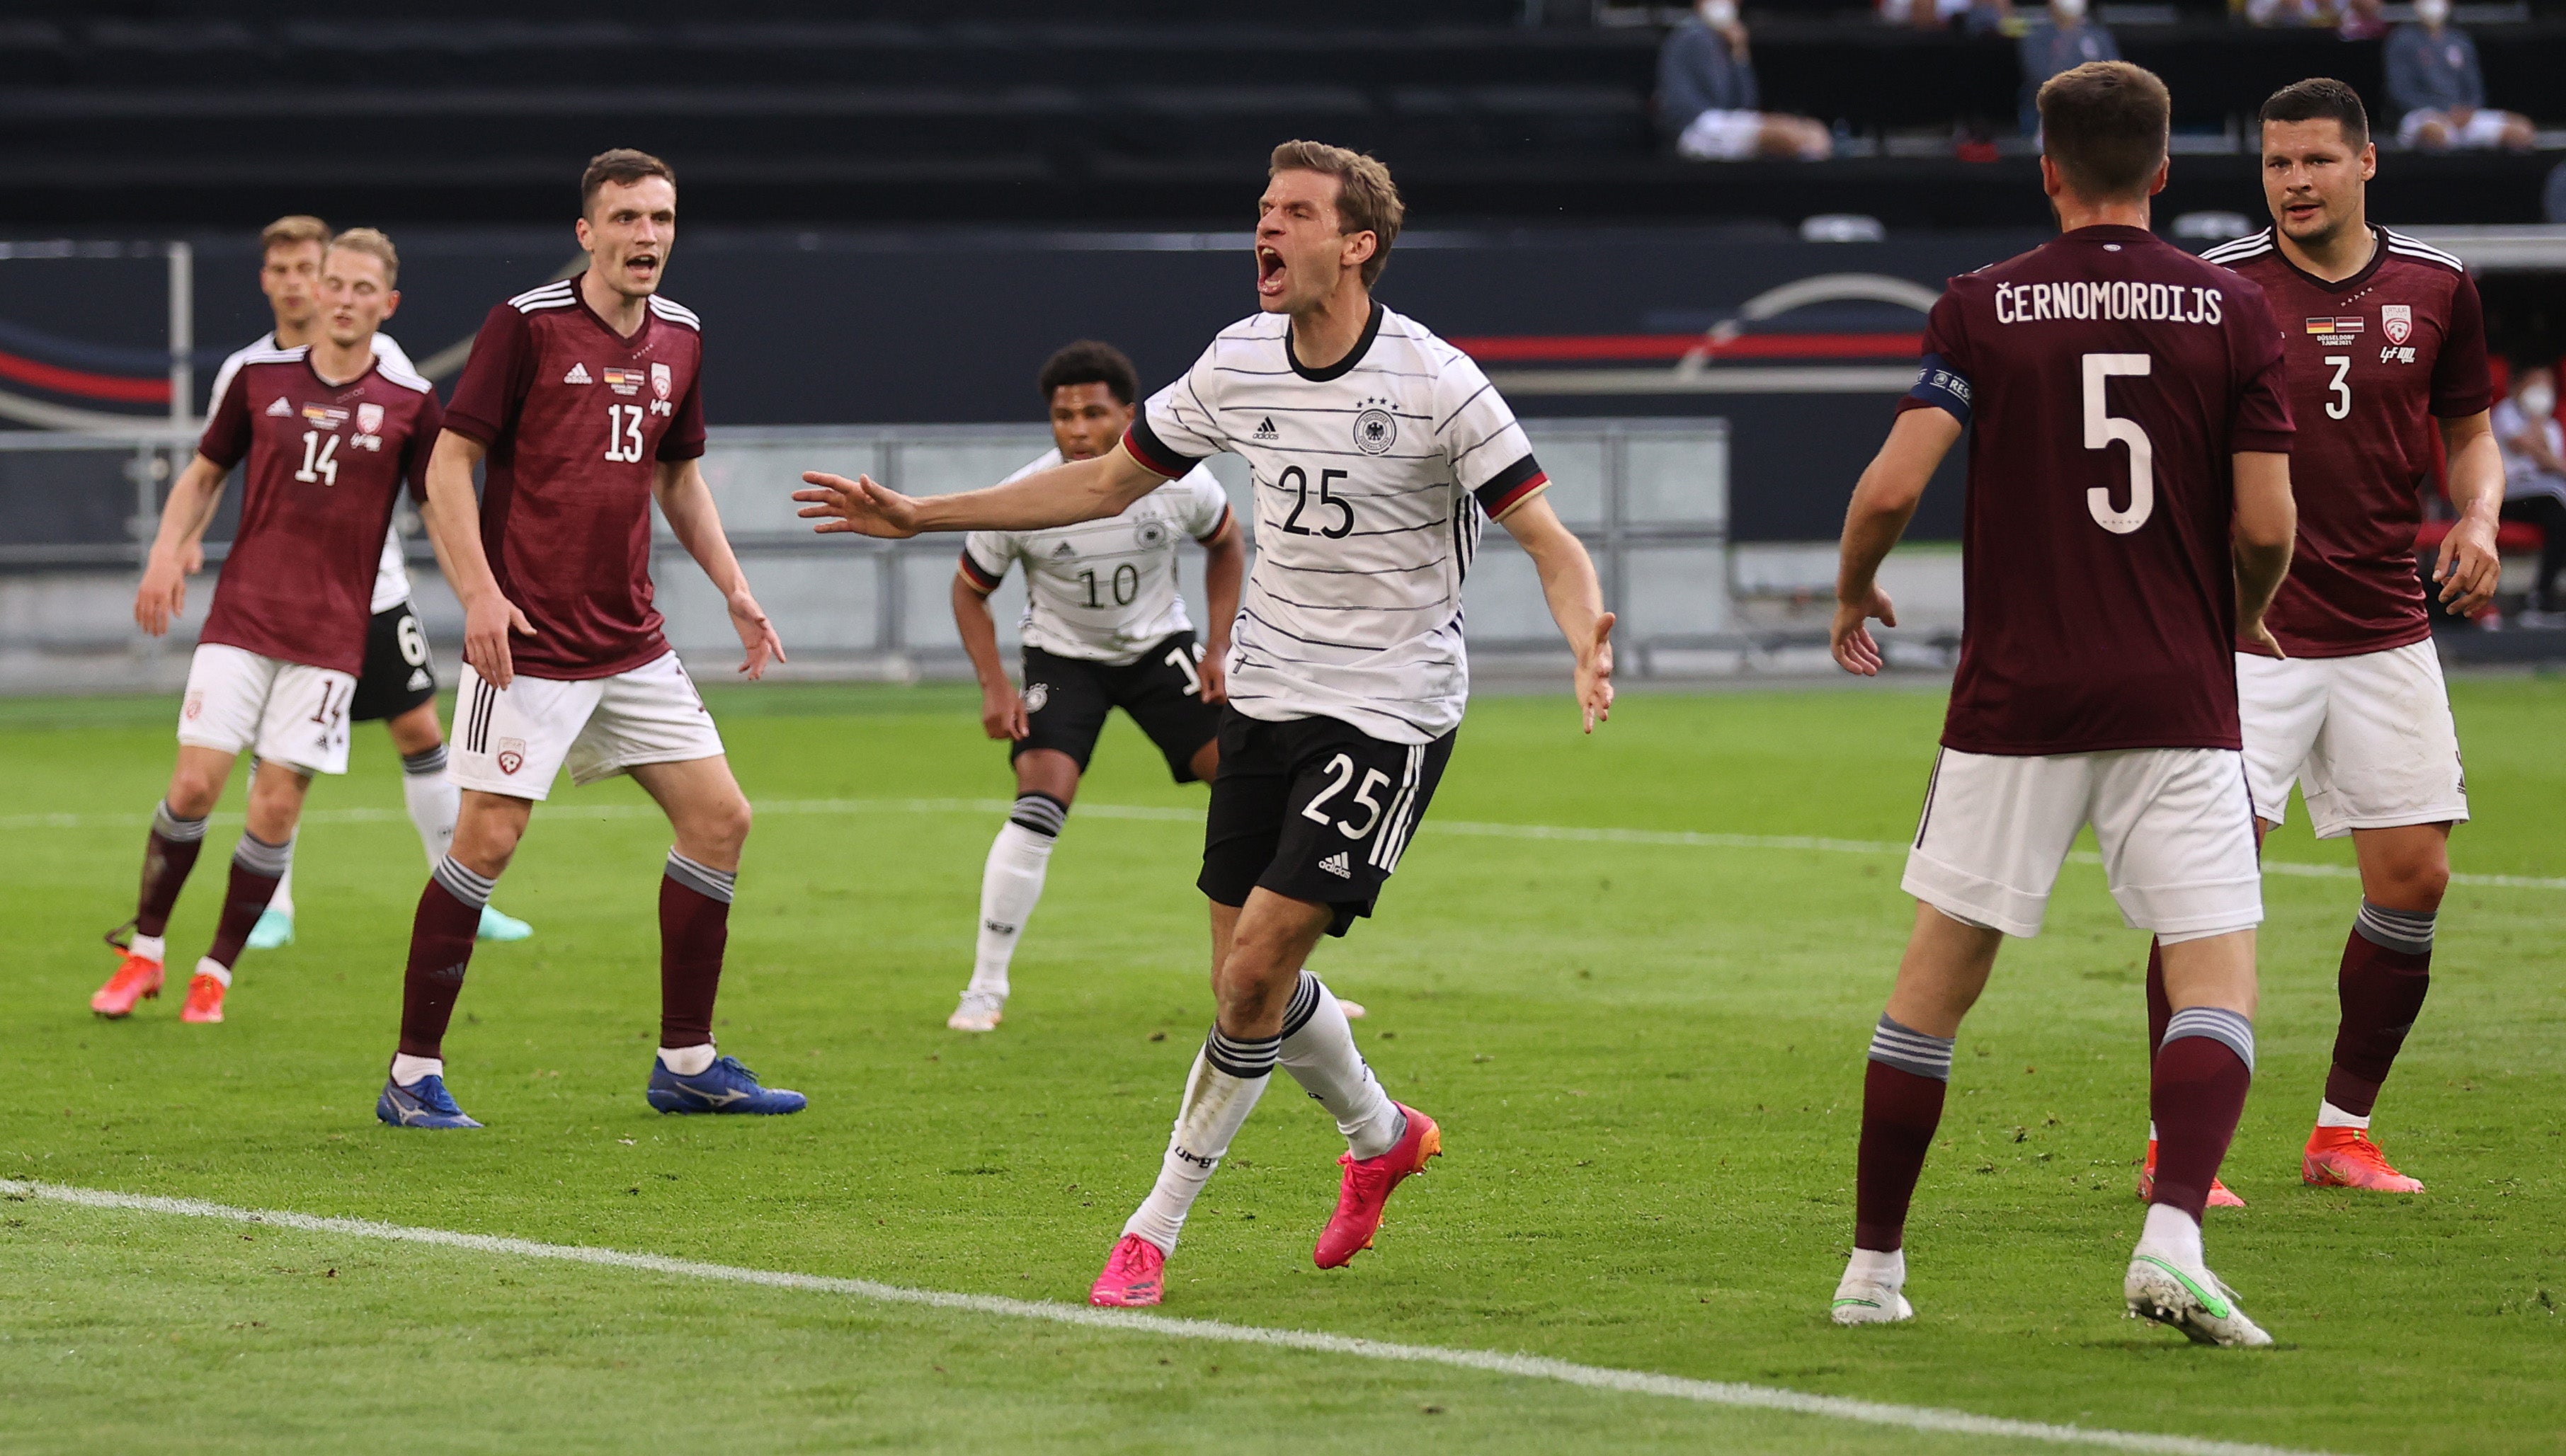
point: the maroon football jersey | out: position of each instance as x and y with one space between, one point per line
2109 377
2373 359
577 419
326 466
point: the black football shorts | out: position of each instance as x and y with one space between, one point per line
398 674
1066 698
1314 809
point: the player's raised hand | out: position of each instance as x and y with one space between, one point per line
1002 713
487 622
835 503
1850 638
163 595
756 635
1595 674
2469 568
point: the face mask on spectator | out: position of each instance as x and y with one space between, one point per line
1720 14
2538 402
2431 11
2068 11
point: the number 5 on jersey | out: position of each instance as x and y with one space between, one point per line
2102 428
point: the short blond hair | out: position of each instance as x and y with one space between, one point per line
1367 199
290 231
372 244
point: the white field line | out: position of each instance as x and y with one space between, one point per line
1680 839
1593 1377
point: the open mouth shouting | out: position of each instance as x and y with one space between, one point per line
641 270
1270 273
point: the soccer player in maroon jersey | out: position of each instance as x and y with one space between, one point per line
330 432
2385 344
583 401
2128 519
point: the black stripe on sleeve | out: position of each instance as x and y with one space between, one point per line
1507 488
979 576
1153 452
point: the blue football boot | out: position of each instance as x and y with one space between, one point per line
724 1086
423 1104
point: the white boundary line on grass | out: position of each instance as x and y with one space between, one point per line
1593 1377
1681 839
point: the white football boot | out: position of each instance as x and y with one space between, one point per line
2160 1287
980 1011
1871 1292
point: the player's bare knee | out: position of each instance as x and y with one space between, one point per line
194 790
416 731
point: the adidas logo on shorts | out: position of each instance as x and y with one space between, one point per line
419 679
1335 864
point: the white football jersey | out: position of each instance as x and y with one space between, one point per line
1102 590
391 576
1373 478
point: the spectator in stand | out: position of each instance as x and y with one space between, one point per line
1706 95
2432 77
1974 15
2534 480
2286 14
2065 43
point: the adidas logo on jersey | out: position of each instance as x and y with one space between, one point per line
578 375
280 406
1265 428
1335 864
1063 550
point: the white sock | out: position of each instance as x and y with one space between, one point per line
282 902
407 1070
1215 1106
208 966
1320 1053
1010 887
433 802
2152 1130
2171 1235
2330 1115
149 947
1879 1268
688 1060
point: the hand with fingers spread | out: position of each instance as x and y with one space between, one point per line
487 620
1850 638
756 635
1595 674
2467 567
833 503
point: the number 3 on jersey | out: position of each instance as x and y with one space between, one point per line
2102 428
623 433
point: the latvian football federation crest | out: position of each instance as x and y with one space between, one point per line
370 418
660 380
2397 321
1375 430
511 755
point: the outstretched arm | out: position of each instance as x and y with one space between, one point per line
687 502
1883 503
1576 599
2267 521
2468 569
174 553
1082 490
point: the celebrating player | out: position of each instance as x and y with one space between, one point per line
330 429
583 399
2129 404
2392 343
1379 451
398 682
1105 628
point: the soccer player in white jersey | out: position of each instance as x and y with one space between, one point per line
398 684
1379 452
1104 628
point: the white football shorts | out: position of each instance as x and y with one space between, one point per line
512 739
2175 827
2367 739
288 713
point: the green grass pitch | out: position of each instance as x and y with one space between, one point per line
1647 1060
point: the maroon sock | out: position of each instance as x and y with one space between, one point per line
2160 1009
694 926
440 950
167 855
2387 970
257 868
1899 1110
2196 1096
